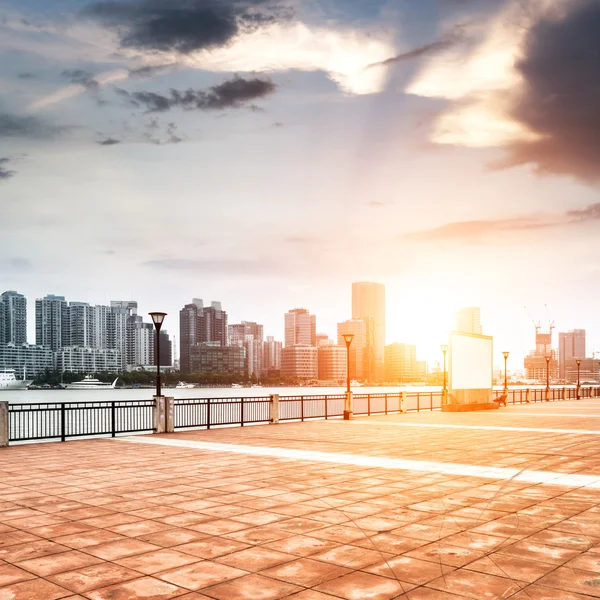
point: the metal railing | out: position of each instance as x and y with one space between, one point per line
220 412
307 407
62 420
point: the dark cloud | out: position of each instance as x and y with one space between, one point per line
144 72
183 25
218 266
13 126
426 50
109 142
25 75
81 77
5 173
233 93
590 213
561 101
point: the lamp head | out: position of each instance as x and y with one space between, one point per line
548 358
578 361
505 354
157 319
348 337
444 348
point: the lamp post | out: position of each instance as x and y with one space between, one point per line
157 319
578 361
444 348
505 354
348 337
548 359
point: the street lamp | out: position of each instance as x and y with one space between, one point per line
444 348
578 361
505 354
548 359
348 337
157 319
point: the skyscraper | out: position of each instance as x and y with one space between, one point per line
368 305
188 335
250 336
13 318
401 363
300 328
571 345
468 320
120 327
272 354
52 323
358 347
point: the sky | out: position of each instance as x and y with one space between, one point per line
268 153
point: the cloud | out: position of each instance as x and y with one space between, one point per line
185 26
109 142
426 50
233 93
217 266
23 264
149 71
4 172
487 230
17 126
377 204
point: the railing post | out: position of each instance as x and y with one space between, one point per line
4 432
208 414
113 419
564 394
402 401
242 412
274 408
431 401
302 408
348 412
527 394
169 414
326 410
62 422
158 414
386 405
368 405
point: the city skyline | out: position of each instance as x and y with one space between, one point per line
331 143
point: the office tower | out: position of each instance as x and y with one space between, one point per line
52 323
401 363
13 318
368 305
120 327
272 354
300 328
250 336
211 357
358 347
166 349
300 362
571 345
200 324
468 320
332 362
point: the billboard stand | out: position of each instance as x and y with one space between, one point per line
470 373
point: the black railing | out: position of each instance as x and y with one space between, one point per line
62 420
307 407
220 412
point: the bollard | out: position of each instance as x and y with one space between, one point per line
402 400
158 414
348 414
274 408
169 414
3 424
527 395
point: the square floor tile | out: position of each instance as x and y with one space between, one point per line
93 577
146 587
359 586
252 587
33 590
256 558
157 561
201 574
57 563
306 572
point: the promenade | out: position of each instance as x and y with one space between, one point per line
420 506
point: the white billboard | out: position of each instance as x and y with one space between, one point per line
470 362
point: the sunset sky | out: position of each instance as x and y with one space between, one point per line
266 154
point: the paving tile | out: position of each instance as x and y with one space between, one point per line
201 574
352 557
573 580
476 585
12 538
57 563
21 552
93 577
306 572
411 570
360 586
539 592
145 587
157 561
51 532
36 589
173 537
10 574
255 559
252 587
211 547
442 552
120 549
509 566
93 537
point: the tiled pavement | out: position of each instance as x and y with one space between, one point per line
123 519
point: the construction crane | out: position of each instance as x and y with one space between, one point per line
551 324
536 325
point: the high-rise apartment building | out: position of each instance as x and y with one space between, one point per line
401 363
250 336
332 362
144 342
272 354
200 324
13 318
76 359
368 305
468 320
300 362
121 320
166 349
571 344
52 322
300 328
27 361
358 347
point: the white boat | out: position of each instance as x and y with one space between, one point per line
182 385
236 385
8 380
355 383
89 383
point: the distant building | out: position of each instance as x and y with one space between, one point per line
368 305
300 362
468 320
120 321
359 358
535 364
250 336
87 360
332 362
27 361
300 328
401 363
144 341
13 318
211 357
52 322
272 354
166 350
570 345
321 338
589 370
